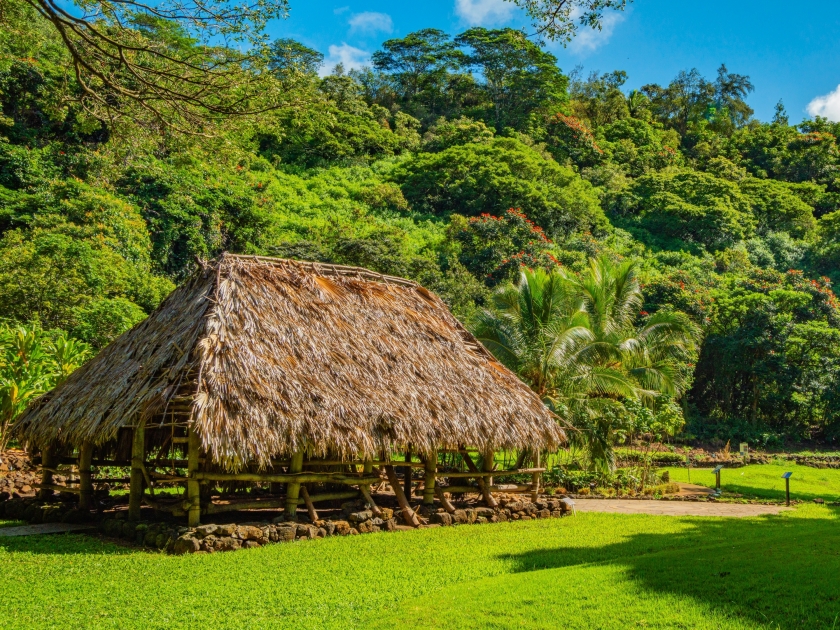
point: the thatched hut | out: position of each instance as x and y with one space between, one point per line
283 372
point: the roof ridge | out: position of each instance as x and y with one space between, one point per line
324 268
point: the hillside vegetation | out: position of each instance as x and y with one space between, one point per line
453 161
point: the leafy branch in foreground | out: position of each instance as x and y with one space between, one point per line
178 62
560 19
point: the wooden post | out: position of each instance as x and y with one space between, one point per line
429 489
85 480
138 456
293 487
535 481
484 487
407 473
444 501
408 514
48 461
489 462
368 471
310 508
193 486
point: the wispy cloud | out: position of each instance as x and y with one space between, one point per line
341 10
350 57
827 106
484 12
371 22
590 39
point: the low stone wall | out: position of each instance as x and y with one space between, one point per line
352 519
18 475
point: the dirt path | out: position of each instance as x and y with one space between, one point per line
675 508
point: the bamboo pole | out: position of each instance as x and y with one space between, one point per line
313 515
47 463
193 486
365 488
85 479
57 488
479 477
138 455
408 514
489 462
535 480
429 489
407 473
290 478
444 501
293 487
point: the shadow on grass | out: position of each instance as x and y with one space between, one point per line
782 572
66 544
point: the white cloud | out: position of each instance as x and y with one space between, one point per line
350 57
589 39
827 106
341 10
484 12
371 22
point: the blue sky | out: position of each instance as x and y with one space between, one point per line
790 55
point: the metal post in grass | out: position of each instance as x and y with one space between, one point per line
786 477
717 470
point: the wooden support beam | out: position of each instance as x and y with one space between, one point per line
463 475
48 463
408 514
536 475
193 487
407 473
293 487
290 478
234 505
365 488
313 515
57 488
444 501
138 456
488 497
429 488
85 479
524 488
489 463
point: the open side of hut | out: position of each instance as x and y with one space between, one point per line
298 375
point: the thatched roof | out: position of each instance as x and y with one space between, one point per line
276 355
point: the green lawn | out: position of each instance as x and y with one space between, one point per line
589 571
765 481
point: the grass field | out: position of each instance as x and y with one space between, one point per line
589 571
764 481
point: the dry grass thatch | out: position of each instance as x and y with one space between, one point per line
277 355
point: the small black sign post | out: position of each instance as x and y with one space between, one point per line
717 476
786 477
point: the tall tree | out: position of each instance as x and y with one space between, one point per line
518 77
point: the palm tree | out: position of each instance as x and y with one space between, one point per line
573 339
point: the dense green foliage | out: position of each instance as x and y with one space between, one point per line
453 161
589 571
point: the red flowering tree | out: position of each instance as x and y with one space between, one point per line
494 248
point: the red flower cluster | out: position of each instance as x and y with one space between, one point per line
580 130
